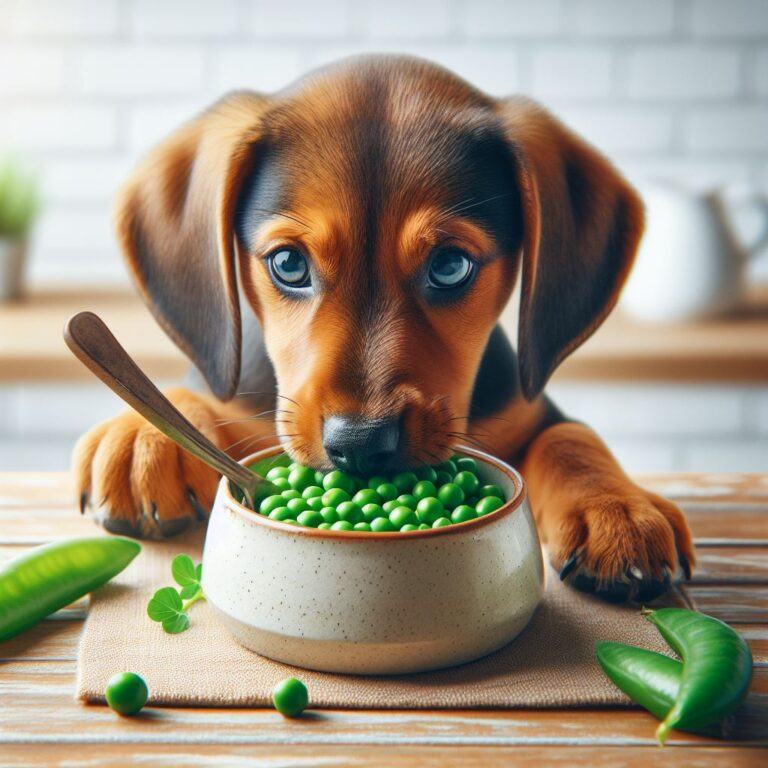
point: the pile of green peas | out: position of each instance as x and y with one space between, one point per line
426 497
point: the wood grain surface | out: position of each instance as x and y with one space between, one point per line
42 724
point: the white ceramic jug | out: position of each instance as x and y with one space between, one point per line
690 262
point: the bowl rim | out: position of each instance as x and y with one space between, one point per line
255 518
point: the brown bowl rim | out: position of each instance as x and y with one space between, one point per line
510 506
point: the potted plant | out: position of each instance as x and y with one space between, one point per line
19 205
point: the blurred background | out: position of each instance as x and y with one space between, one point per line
674 91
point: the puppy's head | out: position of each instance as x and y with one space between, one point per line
377 213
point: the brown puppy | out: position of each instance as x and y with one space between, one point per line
344 248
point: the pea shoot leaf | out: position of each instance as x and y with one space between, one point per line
177 624
190 590
167 608
184 571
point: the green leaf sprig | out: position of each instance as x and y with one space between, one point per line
168 605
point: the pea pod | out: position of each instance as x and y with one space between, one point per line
52 576
717 667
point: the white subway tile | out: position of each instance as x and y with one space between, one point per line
729 129
621 129
92 180
404 19
761 411
60 18
694 175
509 18
683 72
571 73
305 19
673 410
59 127
182 18
257 67
64 228
729 18
628 18
149 124
79 269
43 453
726 455
30 70
139 70
644 455
761 73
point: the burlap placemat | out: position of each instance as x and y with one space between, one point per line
550 665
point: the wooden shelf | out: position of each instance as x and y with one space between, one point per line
732 349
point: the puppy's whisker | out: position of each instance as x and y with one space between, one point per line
252 438
271 394
456 211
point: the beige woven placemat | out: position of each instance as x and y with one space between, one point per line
550 665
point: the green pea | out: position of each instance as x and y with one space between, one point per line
290 697
387 491
319 477
324 527
316 503
297 505
310 518
349 511
388 506
441 522
424 527
276 472
447 466
429 509
126 693
462 513
465 464
443 478
329 515
270 503
335 496
366 496
451 495
342 525
405 481
372 511
488 504
291 521
490 490
339 479
362 526
301 478
311 491
281 483
409 527
407 500
382 525
375 481
424 489
426 473
281 513
467 481
289 494
401 516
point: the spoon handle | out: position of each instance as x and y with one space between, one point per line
93 344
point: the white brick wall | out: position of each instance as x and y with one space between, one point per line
666 87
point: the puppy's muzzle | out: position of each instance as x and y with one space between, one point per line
360 445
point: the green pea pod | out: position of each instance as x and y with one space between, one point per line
717 667
52 576
648 678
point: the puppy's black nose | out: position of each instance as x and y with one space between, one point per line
361 446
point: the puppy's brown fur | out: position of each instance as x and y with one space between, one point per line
367 167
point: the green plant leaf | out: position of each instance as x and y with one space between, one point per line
184 571
199 571
165 605
189 591
177 624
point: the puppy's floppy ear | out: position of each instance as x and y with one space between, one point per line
174 221
582 223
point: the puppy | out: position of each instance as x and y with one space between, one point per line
333 260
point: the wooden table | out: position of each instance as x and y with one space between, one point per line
42 724
724 349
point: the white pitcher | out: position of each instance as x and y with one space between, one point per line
690 263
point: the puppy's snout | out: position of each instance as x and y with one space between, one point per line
360 445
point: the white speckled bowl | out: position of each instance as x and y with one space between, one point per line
375 603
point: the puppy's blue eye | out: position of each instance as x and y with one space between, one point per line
449 268
290 267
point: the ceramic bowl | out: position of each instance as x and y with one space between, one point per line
374 603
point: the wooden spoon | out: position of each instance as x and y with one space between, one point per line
93 344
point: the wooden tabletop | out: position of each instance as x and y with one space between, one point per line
732 349
42 724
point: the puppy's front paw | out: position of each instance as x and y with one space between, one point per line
140 483
623 546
